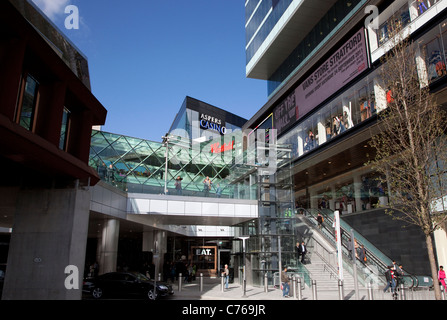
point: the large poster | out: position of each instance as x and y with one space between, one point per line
344 65
284 114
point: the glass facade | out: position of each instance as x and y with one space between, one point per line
331 21
261 17
139 166
201 156
336 117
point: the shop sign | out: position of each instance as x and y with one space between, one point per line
217 148
204 252
208 122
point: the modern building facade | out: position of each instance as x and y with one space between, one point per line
46 116
163 187
126 202
322 63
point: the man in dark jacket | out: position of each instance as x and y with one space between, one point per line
302 249
390 279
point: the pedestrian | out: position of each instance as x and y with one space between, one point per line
399 274
194 271
297 250
285 283
218 191
226 274
350 249
395 266
206 186
173 272
390 278
320 220
361 253
441 277
302 251
178 185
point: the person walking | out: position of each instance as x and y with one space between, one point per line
302 250
206 186
226 274
297 251
285 283
320 221
441 277
391 281
361 253
178 185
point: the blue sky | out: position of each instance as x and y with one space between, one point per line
146 56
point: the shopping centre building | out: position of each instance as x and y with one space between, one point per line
217 188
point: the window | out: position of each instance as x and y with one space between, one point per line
435 59
65 128
28 102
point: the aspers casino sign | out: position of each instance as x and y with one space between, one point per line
212 123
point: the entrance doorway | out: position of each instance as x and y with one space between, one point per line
224 257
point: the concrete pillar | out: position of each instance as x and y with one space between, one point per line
380 95
49 234
333 195
300 145
156 242
422 67
108 246
321 127
313 199
441 246
358 192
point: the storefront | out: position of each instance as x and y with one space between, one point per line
205 255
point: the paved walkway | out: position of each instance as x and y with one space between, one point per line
212 290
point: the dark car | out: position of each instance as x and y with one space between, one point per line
125 284
2 277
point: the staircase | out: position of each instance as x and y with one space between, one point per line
326 278
323 271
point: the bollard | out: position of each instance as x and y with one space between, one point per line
314 289
201 282
266 284
244 287
340 289
179 282
402 292
294 286
370 292
300 294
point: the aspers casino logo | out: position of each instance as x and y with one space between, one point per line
212 123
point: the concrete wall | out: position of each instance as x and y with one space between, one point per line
399 241
49 234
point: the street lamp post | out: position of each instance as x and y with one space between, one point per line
244 283
166 142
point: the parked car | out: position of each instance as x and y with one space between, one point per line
125 284
2 277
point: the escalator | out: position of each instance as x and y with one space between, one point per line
369 272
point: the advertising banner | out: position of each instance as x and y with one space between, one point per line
348 61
